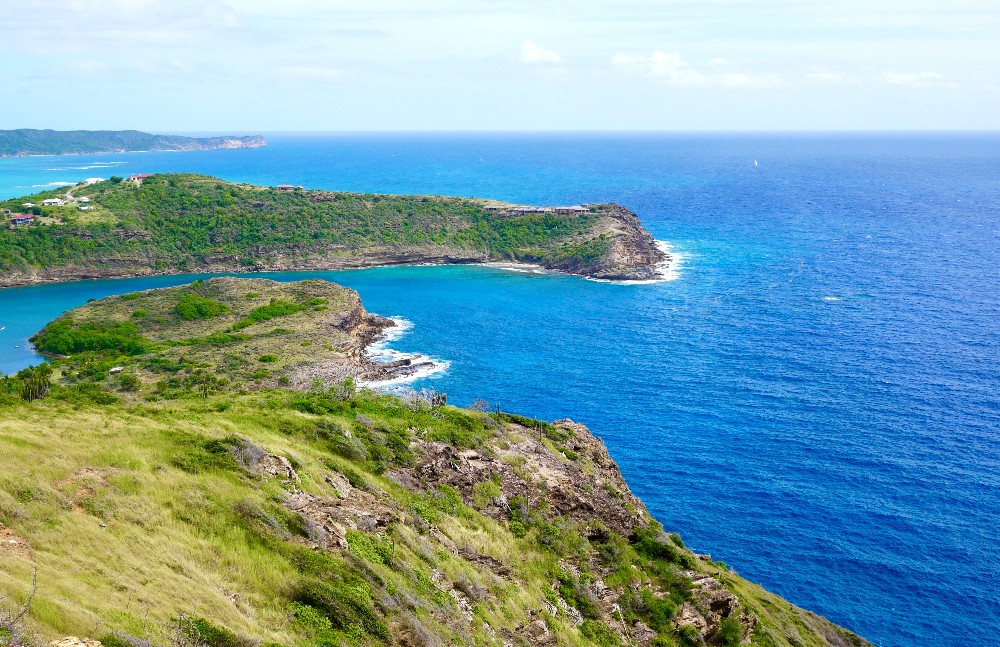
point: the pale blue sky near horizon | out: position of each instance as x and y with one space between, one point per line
483 65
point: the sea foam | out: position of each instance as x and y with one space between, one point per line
381 353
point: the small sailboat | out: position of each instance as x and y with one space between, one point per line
755 162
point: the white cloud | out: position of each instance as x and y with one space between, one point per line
533 53
670 68
825 78
314 73
914 79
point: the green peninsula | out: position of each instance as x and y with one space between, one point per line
181 223
159 492
24 142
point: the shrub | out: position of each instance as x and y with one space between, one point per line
729 633
648 542
214 635
345 602
84 393
265 313
483 493
129 382
371 548
599 633
192 306
267 358
62 337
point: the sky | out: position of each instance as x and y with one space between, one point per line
249 66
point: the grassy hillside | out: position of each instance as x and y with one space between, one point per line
188 223
333 516
27 141
216 333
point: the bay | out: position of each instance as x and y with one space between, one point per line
815 400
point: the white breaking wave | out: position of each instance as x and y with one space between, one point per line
380 353
42 186
668 270
87 168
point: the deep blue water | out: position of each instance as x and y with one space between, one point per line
815 401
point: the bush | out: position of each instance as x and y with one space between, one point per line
648 542
267 358
214 635
266 313
483 493
371 548
62 337
729 633
129 382
193 306
345 602
84 393
599 633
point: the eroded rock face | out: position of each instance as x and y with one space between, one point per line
591 488
566 473
73 641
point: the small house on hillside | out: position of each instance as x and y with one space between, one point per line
284 188
570 211
28 205
22 219
93 180
139 177
85 199
52 202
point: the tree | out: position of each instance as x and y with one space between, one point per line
35 381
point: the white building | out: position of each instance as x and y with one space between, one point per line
52 202
85 199
93 180
28 205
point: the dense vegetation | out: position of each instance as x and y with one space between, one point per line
25 141
186 222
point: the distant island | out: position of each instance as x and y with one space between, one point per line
180 223
25 142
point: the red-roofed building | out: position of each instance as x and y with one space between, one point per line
139 177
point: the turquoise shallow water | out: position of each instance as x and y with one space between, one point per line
816 400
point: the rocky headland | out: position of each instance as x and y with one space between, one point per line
162 487
173 224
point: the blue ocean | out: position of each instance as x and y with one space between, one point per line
814 399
